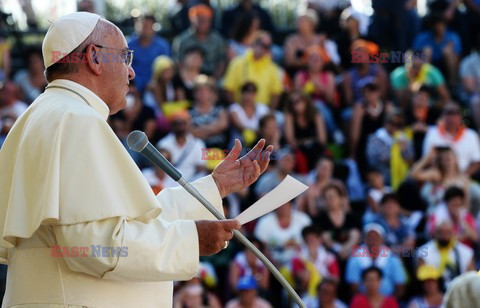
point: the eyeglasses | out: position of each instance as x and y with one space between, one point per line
127 54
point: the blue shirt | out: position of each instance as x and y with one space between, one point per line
143 57
426 39
390 265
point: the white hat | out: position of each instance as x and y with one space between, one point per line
66 34
374 227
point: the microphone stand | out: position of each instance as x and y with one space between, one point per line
164 164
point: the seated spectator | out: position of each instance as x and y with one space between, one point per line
353 26
243 34
376 190
156 177
146 46
312 250
375 253
312 202
397 230
448 255
340 229
326 296
371 278
246 264
380 148
270 131
439 170
209 121
357 77
304 130
451 132
31 80
10 108
442 47
188 70
255 66
247 297
281 231
408 78
319 85
160 89
302 275
246 114
455 211
194 293
432 295
470 78
368 116
185 148
269 180
246 6
201 34
296 44
421 114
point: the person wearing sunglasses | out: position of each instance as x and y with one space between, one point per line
80 226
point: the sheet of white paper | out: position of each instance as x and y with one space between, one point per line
288 189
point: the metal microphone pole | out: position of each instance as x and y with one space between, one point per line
138 141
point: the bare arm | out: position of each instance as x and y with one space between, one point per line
356 128
212 129
321 129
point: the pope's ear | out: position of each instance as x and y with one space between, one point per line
93 58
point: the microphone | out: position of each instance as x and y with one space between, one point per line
138 142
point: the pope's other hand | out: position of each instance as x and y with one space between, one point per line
234 174
212 235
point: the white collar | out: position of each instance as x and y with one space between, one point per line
91 98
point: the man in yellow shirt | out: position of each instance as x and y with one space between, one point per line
255 66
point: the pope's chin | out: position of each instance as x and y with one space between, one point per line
118 106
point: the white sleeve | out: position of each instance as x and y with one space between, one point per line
475 148
427 142
123 249
177 203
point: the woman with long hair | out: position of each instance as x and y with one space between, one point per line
340 227
304 130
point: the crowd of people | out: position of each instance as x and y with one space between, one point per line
378 115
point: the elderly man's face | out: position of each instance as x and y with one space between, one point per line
116 73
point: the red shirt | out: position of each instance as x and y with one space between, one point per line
361 301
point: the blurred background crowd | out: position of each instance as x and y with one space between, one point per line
390 151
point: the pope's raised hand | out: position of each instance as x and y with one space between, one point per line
234 174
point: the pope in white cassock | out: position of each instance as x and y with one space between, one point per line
67 181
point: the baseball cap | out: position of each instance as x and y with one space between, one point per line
67 33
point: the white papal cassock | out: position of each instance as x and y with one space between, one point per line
66 179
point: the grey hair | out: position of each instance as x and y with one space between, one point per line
68 67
